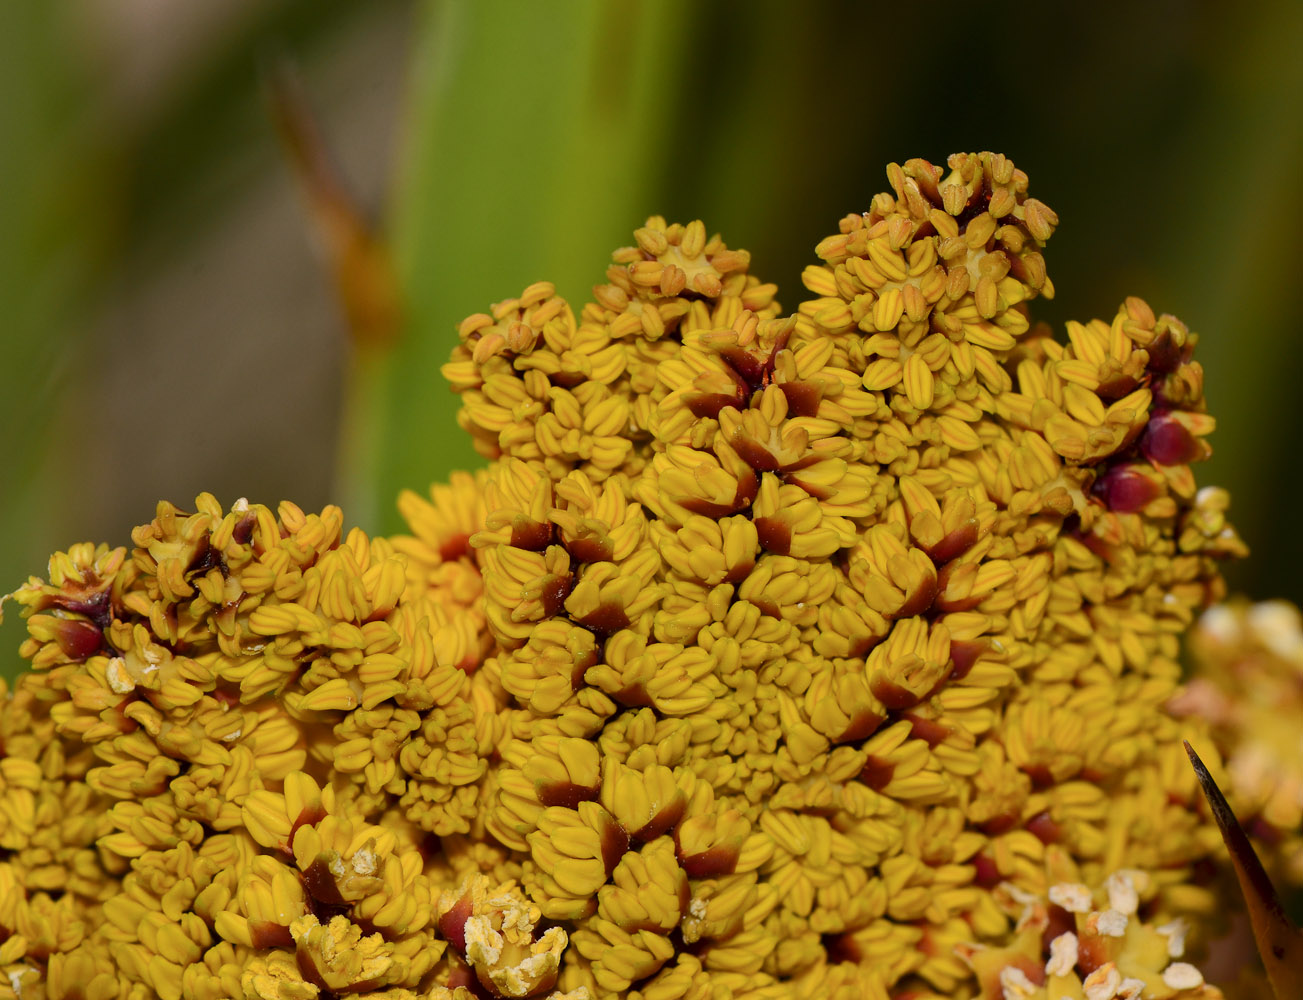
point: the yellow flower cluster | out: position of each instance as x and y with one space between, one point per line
1248 687
768 653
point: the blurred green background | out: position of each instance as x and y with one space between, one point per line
167 327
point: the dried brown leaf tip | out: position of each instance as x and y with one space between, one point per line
774 655
1279 942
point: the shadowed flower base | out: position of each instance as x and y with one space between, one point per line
1079 943
773 655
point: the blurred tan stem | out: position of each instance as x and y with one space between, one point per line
362 273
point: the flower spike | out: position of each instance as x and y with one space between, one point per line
818 652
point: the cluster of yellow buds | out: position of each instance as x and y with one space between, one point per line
771 656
